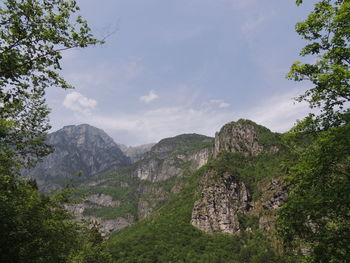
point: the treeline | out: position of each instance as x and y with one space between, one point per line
35 228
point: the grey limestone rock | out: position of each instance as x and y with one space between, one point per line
222 198
93 201
168 158
244 136
102 200
81 152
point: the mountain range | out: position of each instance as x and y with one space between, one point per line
228 184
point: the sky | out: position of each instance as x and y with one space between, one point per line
182 66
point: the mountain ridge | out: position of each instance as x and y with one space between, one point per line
81 150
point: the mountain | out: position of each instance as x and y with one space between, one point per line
135 153
191 198
144 186
223 212
169 157
81 152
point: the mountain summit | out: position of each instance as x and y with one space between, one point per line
81 152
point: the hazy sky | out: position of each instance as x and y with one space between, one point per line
182 66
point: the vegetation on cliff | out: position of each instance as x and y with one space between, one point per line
314 158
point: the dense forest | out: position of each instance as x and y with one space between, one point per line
313 225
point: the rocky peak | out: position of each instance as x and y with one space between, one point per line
245 136
78 148
83 135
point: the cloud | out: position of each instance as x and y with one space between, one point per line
219 103
279 113
224 105
151 96
77 102
117 75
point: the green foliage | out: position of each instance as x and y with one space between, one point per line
327 31
94 250
183 141
33 34
320 186
33 227
194 146
117 185
248 221
320 198
168 236
251 169
110 212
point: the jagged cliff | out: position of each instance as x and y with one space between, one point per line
237 192
81 149
227 187
222 199
141 188
246 137
171 156
240 189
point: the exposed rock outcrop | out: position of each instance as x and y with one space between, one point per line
102 200
106 226
222 198
99 200
172 156
246 137
225 198
81 149
273 196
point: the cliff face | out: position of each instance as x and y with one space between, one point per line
170 157
246 137
84 149
161 169
226 202
222 199
118 198
100 200
237 194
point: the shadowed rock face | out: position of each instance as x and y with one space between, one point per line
221 201
80 148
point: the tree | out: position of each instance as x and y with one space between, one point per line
317 213
327 31
316 217
33 33
34 228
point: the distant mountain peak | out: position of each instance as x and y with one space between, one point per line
78 148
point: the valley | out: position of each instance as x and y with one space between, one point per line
183 188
